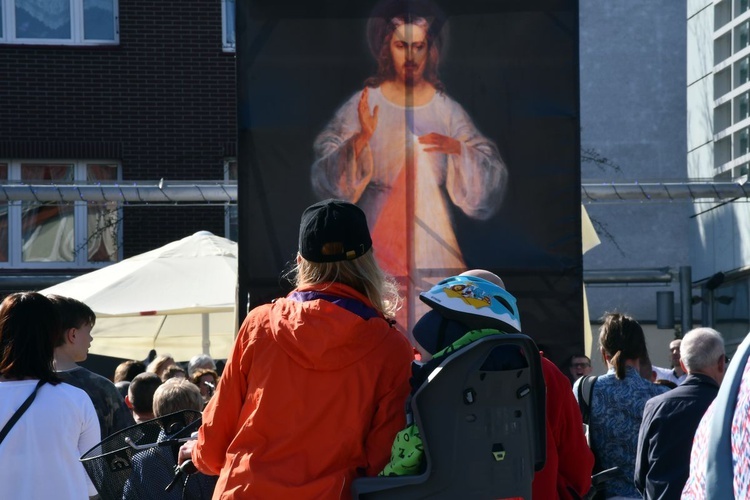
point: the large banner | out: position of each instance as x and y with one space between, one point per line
453 124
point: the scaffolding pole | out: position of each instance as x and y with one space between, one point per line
133 192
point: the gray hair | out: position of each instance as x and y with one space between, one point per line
200 361
701 349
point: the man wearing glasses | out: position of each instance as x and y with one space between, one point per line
579 366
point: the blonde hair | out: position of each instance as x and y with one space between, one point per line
160 364
363 274
177 394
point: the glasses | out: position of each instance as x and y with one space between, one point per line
581 365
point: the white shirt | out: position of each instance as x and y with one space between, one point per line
40 455
668 374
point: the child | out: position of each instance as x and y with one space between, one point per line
152 469
452 324
73 347
464 309
39 454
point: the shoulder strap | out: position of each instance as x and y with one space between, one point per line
585 391
20 411
352 305
719 466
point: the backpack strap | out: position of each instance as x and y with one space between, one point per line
585 392
20 411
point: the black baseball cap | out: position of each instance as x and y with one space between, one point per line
332 231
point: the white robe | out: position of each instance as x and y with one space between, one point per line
474 181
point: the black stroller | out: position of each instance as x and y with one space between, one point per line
139 463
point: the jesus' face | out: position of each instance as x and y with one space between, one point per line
409 53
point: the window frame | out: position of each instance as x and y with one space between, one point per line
230 207
8 26
80 218
226 45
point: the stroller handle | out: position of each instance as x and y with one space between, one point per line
167 442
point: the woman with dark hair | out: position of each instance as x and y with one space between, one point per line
405 152
617 402
41 448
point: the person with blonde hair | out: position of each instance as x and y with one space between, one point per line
177 403
160 364
315 386
176 394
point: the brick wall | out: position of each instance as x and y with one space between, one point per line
162 102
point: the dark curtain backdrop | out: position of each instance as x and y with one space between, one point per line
512 65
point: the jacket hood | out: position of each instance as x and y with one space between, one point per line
321 333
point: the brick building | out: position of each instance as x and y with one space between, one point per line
110 91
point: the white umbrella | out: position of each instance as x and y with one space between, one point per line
179 299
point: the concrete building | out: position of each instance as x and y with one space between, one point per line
669 101
632 59
718 148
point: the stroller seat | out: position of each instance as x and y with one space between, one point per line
481 416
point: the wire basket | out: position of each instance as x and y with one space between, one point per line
138 463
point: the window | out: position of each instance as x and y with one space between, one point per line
230 175
744 106
743 75
59 22
58 235
744 36
227 15
743 146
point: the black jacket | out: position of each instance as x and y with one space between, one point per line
665 439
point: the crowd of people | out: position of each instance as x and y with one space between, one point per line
53 410
314 391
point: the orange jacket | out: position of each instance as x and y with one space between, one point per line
567 472
311 397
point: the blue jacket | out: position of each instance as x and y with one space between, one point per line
666 437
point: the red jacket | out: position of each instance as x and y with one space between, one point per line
567 472
310 398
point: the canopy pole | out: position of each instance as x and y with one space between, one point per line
206 338
158 330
